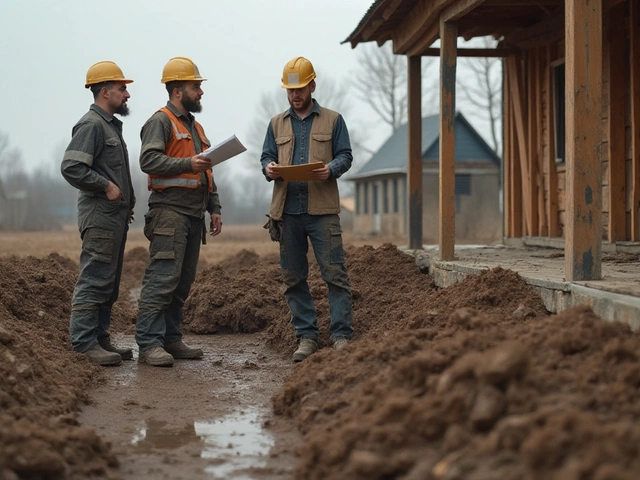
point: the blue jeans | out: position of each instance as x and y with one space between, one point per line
98 283
174 252
325 234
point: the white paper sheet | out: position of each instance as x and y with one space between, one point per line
225 150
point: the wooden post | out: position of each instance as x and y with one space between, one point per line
552 204
634 54
414 166
532 139
447 203
617 170
583 241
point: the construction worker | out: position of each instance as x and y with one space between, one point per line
96 162
182 190
303 210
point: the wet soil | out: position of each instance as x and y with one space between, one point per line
474 381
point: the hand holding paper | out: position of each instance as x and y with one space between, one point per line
298 173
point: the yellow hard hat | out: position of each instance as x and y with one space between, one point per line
297 73
104 72
180 68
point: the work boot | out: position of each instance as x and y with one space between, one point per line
125 353
340 343
156 356
306 347
100 356
180 350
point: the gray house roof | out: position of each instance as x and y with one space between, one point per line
392 155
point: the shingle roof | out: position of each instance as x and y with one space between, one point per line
392 155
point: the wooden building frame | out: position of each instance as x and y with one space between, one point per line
577 180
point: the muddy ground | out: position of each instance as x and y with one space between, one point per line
474 381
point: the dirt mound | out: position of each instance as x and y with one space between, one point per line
246 302
133 266
43 381
243 259
474 381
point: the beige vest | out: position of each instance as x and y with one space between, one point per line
324 198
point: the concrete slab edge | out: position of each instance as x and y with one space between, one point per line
556 296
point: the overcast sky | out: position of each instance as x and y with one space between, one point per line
240 46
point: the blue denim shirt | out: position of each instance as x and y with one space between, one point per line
297 192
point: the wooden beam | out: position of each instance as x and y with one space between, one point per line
414 167
516 92
447 203
532 141
552 169
583 240
378 18
617 99
634 60
517 222
539 34
539 79
474 52
418 20
507 158
459 9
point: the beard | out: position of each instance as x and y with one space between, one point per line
122 110
305 104
191 105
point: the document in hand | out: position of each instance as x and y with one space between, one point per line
224 150
298 173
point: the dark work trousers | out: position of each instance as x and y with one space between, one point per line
174 252
98 282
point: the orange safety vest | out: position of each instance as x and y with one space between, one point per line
180 146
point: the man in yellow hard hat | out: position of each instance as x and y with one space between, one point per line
308 210
96 162
182 191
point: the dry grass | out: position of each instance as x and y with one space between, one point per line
67 242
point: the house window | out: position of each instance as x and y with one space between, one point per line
463 184
559 117
365 201
396 200
375 199
385 197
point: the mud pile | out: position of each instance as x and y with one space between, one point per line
469 382
474 381
43 383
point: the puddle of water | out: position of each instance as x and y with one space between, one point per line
233 443
236 442
154 434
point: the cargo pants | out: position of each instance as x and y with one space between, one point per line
98 283
174 251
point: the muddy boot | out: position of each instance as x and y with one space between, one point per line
180 350
306 347
340 343
156 356
100 356
125 353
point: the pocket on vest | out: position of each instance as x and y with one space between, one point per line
322 147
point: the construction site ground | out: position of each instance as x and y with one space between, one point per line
472 379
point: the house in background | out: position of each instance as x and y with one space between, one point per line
381 192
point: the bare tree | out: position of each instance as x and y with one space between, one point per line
483 88
382 83
10 159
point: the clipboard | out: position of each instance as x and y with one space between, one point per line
298 173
